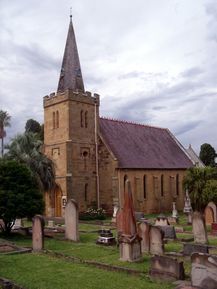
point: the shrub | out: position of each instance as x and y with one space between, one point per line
93 214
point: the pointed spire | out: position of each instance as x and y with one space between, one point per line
70 74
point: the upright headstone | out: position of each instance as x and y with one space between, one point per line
38 233
143 231
187 207
167 268
162 221
210 213
174 212
204 271
156 241
71 221
199 229
129 240
115 209
18 224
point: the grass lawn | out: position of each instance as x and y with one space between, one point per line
35 271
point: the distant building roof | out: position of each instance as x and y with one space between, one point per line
194 157
143 147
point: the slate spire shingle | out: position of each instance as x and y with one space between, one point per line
70 74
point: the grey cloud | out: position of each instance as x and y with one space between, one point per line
31 56
187 127
192 72
211 10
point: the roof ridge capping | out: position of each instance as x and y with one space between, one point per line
132 122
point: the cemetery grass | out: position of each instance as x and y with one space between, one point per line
38 271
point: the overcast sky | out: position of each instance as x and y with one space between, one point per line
151 61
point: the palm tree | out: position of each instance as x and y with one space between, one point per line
27 148
4 122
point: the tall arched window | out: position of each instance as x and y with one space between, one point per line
162 185
57 119
125 179
144 187
54 119
177 184
81 118
85 192
85 118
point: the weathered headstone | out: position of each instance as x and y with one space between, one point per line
189 248
38 233
50 224
166 267
174 212
204 271
210 213
115 210
129 240
214 228
71 221
143 231
161 221
199 229
169 232
156 241
187 207
18 224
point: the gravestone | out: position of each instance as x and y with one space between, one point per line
38 233
71 221
167 268
115 209
169 232
174 212
50 224
204 271
18 224
129 240
189 248
156 241
161 221
210 213
199 229
214 228
143 231
187 207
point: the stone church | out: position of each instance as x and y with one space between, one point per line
94 156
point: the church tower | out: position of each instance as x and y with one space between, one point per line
71 118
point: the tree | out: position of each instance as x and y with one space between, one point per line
19 193
32 126
27 148
35 127
208 155
199 182
4 122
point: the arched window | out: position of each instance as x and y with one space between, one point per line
85 118
54 119
85 192
125 179
177 184
162 185
144 187
81 118
57 119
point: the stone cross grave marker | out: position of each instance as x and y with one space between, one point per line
71 221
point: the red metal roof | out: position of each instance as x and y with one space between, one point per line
143 147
